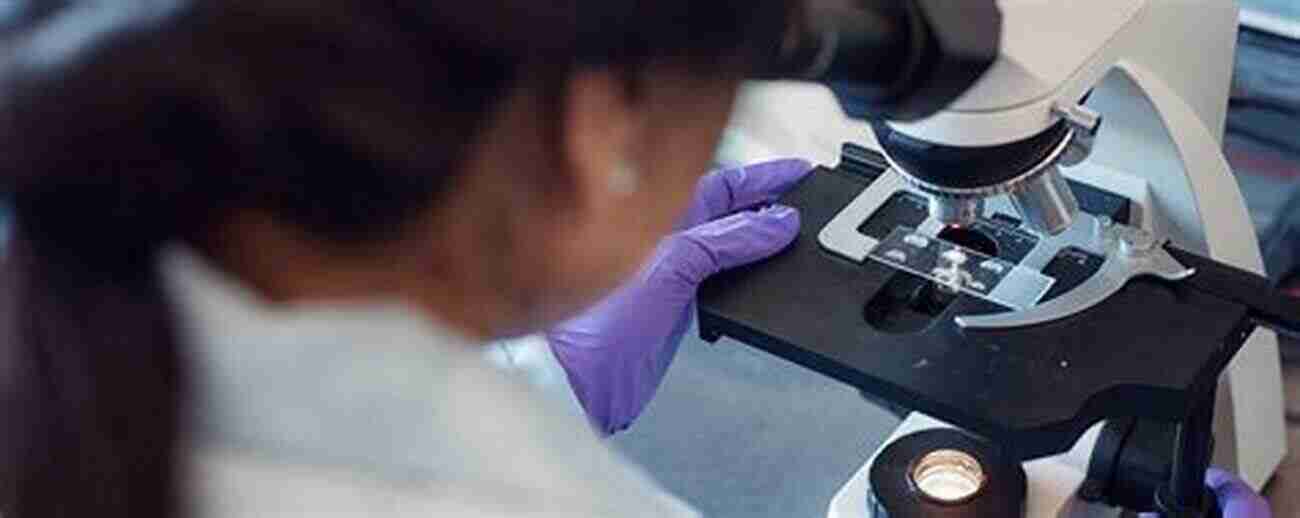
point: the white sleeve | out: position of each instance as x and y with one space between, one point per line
531 358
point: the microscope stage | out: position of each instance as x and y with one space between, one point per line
1149 351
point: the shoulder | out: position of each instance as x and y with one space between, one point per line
474 443
231 484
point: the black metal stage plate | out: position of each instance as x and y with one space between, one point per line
1151 351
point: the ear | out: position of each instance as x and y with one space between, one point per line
601 125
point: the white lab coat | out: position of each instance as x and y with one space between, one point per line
373 410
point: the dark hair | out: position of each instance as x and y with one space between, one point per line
151 120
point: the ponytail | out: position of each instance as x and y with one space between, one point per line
94 386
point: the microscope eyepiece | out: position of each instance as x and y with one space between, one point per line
890 59
903 60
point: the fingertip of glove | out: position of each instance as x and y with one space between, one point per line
785 217
1215 477
782 213
791 164
1221 480
788 169
1235 494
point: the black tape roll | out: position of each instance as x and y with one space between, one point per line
895 495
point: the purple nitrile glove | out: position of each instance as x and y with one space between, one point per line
1236 498
618 352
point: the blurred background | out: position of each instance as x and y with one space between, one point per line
742 434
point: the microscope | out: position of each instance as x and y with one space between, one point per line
1042 254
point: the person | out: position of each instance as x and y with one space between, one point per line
260 248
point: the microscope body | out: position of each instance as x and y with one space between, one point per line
1157 73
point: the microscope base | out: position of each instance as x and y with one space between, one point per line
1053 482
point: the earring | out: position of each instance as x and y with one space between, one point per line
624 180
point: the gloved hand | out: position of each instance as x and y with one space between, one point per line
617 353
1236 499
